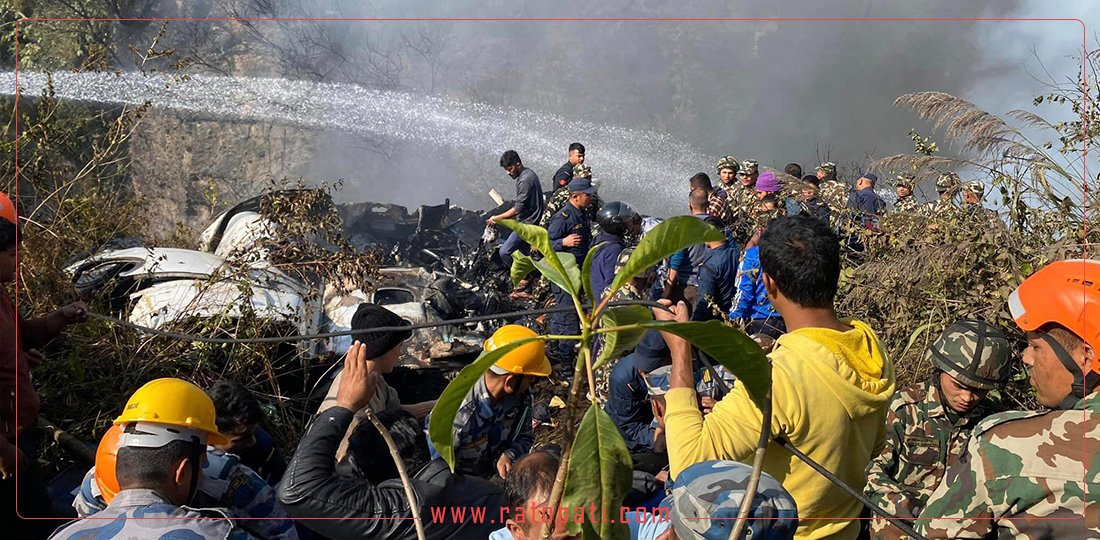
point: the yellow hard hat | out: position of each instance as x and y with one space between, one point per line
529 359
173 402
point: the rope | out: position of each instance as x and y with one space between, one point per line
277 339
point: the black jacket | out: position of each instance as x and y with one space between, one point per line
312 489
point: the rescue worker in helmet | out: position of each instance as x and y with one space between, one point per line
492 427
616 220
928 423
1022 468
166 426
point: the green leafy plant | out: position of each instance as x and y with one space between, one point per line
596 467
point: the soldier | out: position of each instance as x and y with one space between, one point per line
166 425
560 198
743 200
946 185
928 423
570 232
727 176
973 193
904 188
1023 466
833 191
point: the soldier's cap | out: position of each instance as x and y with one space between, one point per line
583 185
946 181
749 166
905 180
656 381
828 167
728 162
976 188
974 353
582 170
706 499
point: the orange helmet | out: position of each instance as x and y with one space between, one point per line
1066 293
7 209
105 457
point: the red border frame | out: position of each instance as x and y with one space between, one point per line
1085 119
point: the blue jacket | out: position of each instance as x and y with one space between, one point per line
603 263
686 261
717 282
867 201
752 299
627 400
569 221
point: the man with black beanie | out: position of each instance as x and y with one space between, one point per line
383 352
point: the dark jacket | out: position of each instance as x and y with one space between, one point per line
311 488
816 208
264 458
867 201
627 401
563 175
566 222
717 282
605 260
530 203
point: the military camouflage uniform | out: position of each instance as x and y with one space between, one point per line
907 204
743 205
947 183
923 438
225 484
159 519
560 198
1021 465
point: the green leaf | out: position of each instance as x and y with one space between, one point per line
614 343
441 424
600 472
586 272
670 236
540 240
729 346
569 280
522 266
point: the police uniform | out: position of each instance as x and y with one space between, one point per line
568 221
159 518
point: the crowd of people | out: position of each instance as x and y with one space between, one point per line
944 455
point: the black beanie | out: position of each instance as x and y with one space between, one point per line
375 316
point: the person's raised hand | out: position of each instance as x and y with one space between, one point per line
504 464
675 313
358 382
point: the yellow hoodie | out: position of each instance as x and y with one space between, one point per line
830 390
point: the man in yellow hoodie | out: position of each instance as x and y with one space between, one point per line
831 384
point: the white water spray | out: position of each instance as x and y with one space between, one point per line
649 170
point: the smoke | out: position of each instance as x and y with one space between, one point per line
774 91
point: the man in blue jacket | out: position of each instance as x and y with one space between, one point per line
751 304
570 233
864 199
616 220
628 395
717 278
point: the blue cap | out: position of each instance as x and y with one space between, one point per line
871 177
583 185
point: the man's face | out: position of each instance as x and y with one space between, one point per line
7 265
241 438
903 191
1051 380
581 199
820 174
514 170
960 397
575 157
385 363
726 176
533 519
809 191
970 198
746 179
